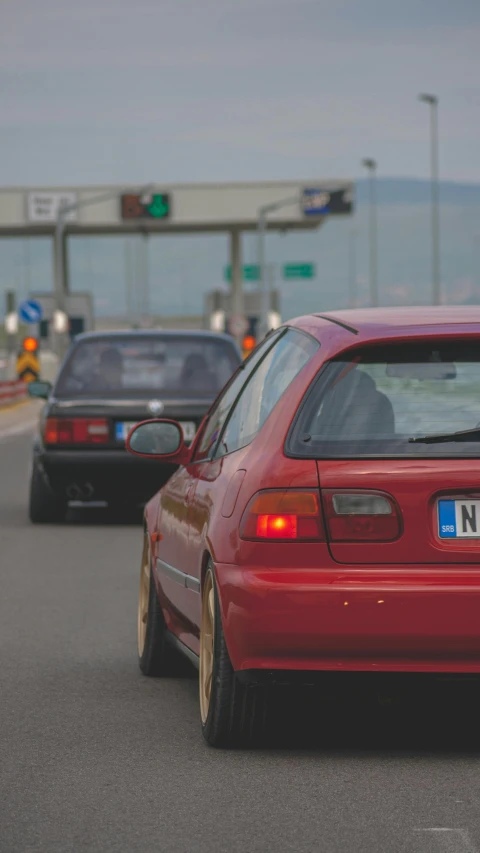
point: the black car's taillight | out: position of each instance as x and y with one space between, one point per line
76 431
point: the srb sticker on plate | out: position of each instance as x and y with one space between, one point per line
122 430
459 519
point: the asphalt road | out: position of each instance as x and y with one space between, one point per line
95 757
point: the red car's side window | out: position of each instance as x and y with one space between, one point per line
222 407
264 389
217 418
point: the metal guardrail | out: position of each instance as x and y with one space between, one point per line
12 392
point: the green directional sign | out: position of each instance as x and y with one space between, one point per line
251 272
299 271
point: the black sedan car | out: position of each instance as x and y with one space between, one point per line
107 383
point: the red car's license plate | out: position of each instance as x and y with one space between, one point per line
459 519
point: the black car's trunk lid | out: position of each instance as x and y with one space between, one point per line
122 414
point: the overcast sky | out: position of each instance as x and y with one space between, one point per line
188 90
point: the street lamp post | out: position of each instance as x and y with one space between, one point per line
146 279
262 215
371 167
432 102
261 228
352 269
129 276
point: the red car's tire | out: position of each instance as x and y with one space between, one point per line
156 656
233 713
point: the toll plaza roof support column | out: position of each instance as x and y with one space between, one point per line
237 303
262 215
65 262
60 255
60 248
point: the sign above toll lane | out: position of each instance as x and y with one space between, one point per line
154 206
43 207
318 201
301 270
251 272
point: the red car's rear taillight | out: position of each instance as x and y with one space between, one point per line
288 514
360 516
76 431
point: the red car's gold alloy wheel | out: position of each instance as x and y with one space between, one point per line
207 634
143 598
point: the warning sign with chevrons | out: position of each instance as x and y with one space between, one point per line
28 366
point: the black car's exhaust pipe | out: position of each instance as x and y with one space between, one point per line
73 492
80 493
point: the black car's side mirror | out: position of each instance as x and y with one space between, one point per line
159 439
39 390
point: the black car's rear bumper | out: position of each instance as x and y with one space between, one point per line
102 475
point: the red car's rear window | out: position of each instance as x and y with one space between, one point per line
405 399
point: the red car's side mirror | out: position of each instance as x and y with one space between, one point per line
159 439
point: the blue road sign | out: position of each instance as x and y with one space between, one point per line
30 311
322 202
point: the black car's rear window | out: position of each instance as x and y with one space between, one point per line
170 365
384 401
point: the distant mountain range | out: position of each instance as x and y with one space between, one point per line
412 191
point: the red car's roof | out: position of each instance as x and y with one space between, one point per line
339 330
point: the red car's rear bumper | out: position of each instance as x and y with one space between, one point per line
420 620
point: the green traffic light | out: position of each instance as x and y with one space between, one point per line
158 208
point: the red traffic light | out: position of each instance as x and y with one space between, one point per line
248 343
30 344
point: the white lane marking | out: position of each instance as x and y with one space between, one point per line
453 840
18 429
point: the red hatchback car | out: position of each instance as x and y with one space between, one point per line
327 515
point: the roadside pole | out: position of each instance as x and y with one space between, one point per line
262 217
11 323
236 323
